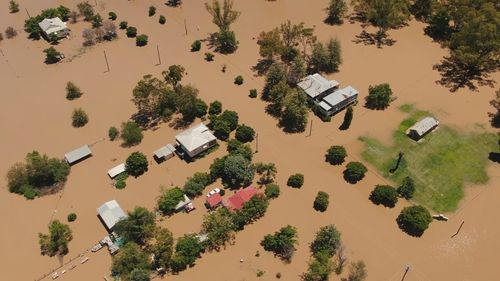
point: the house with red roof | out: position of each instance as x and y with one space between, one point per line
236 201
214 201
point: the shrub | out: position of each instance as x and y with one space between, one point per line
52 55
71 217
131 31
226 42
272 190
215 108
56 242
278 275
13 7
231 117
245 133
321 201
201 108
85 10
79 118
407 188
414 220
131 133
260 273
72 91
221 129
281 243
120 184
124 25
136 164
162 19
354 172
296 180
336 10
112 16
379 96
10 32
336 155
238 80
253 93
326 241
141 40
196 46
96 21
169 199
152 11
209 56
195 185
113 133
385 195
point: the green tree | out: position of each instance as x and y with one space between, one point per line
162 19
200 108
282 243
347 118
221 129
71 217
136 164
252 210
276 74
295 180
336 11
138 227
174 74
326 57
267 172
439 25
379 96
277 96
163 248
86 10
152 11
407 188
385 195
130 258
245 133
52 55
123 25
384 14
141 40
79 118
131 32
226 42
169 199
13 6
217 168
336 154
321 201
113 133
237 171
238 80
195 185
196 46
319 269
139 275
56 242
215 108
270 44
190 247
222 15
414 220
297 70
423 9
354 172
272 190
96 21
219 227
72 91
294 115
327 241
112 16
131 133
231 117
357 271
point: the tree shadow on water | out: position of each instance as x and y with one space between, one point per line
378 39
455 75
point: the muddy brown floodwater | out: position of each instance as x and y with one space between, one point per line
34 114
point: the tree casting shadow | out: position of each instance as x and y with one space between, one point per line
455 75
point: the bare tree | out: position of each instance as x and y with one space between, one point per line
340 259
10 32
73 16
88 36
99 34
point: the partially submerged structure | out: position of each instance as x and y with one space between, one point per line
54 27
110 214
115 171
195 140
326 95
185 204
422 128
78 154
164 153
236 201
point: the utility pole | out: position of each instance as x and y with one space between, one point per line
185 27
158 51
406 272
310 128
106 58
27 12
256 143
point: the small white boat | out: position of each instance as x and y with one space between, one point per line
84 260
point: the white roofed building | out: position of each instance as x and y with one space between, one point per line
422 127
338 100
115 171
316 86
54 26
195 140
78 154
110 214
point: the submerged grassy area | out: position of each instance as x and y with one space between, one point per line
441 165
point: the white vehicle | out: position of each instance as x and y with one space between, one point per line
213 191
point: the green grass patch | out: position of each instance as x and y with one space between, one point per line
441 165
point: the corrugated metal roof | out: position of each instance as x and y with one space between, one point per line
164 152
195 137
111 213
115 171
424 125
316 84
52 25
340 95
78 154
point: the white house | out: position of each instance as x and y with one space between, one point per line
422 127
316 86
115 171
195 140
111 213
78 154
54 26
338 100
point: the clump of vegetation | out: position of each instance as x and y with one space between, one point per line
407 188
253 93
321 201
224 124
267 172
13 7
219 228
131 133
130 261
282 243
196 46
215 108
56 242
72 91
141 40
209 56
379 97
162 19
260 273
37 176
52 55
138 227
223 16
112 16
336 155
79 118
357 271
244 133
131 32
86 10
336 10
251 211
10 32
187 250
326 244
272 190
384 195
152 11
195 185
124 25
414 220
136 164
113 133
354 172
295 180
238 80
120 181
96 21
169 199
71 217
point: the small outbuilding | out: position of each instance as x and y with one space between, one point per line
422 128
78 154
195 140
316 86
115 171
186 204
164 153
338 100
54 26
110 214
